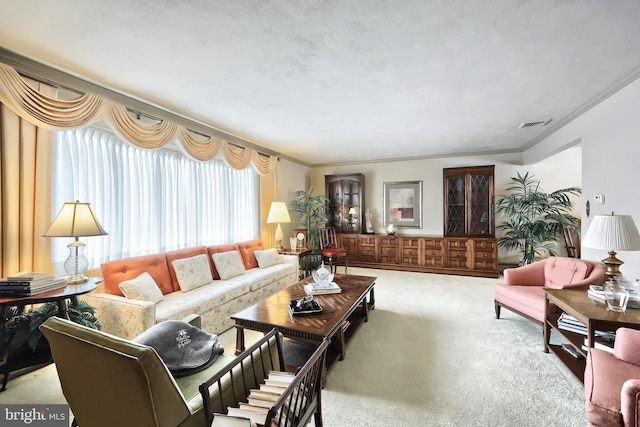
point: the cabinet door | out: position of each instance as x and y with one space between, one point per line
455 205
345 194
388 249
350 243
410 250
481 204
432 252
456 252
485 254
367 248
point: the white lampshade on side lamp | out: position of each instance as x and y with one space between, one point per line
278 213
75 219
614 233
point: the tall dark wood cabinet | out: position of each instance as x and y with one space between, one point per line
469 202
346 202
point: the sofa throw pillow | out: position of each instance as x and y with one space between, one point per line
228 264
267 257
142 288
192 272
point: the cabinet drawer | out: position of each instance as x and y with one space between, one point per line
433 243
410 256
388 254
433 262
388 241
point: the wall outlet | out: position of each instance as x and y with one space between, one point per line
599 199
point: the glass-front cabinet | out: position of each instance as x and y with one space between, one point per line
346 200
469 201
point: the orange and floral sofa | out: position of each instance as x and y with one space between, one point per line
212 281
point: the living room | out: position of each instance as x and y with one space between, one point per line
580 151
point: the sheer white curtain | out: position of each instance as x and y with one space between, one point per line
150 200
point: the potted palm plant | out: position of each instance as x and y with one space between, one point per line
312 212
21 334
534 219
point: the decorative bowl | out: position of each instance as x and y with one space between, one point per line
322 276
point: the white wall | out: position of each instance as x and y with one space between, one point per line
610 135
291 177
559 171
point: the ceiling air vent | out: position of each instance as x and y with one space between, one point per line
532 124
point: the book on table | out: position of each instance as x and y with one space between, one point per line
12 288
322 288
600 343
222 420
29 276
570 323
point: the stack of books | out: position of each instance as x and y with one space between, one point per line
570 323
322 289
30 283
260 400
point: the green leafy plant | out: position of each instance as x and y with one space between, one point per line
23 329
534 219
313 213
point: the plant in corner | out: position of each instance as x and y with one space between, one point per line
313 213
534 219
21 333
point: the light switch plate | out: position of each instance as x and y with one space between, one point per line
599 199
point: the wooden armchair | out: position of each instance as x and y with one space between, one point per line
297 403
330 250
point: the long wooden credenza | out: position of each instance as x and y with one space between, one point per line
467 256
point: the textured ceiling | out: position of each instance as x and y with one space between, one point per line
344 81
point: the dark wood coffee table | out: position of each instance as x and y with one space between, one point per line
591 312
341 314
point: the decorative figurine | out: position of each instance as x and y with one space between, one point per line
368 216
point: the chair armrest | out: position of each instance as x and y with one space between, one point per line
527 275
629 399
627 345
124 317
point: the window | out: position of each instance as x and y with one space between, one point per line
150 200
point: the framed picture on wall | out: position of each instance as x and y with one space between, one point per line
403 204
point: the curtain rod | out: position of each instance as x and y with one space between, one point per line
50 75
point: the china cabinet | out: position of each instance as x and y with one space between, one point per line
346 202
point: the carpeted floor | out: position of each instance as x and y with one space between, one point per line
432 354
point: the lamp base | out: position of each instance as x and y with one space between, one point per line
75 279
76 264
612 265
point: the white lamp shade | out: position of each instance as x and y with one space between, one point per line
278 213
612 232
75 219
352 211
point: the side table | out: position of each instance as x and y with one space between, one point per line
593 313
60 297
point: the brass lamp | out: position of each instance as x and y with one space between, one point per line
75 219
278 213
612 232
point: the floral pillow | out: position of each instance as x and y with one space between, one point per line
192 272
267 257
228 264
142 288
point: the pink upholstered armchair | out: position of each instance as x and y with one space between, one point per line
612 382
523 288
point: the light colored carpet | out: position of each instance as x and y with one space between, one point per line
432 354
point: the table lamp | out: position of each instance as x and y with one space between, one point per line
615 233
278 213
75 219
